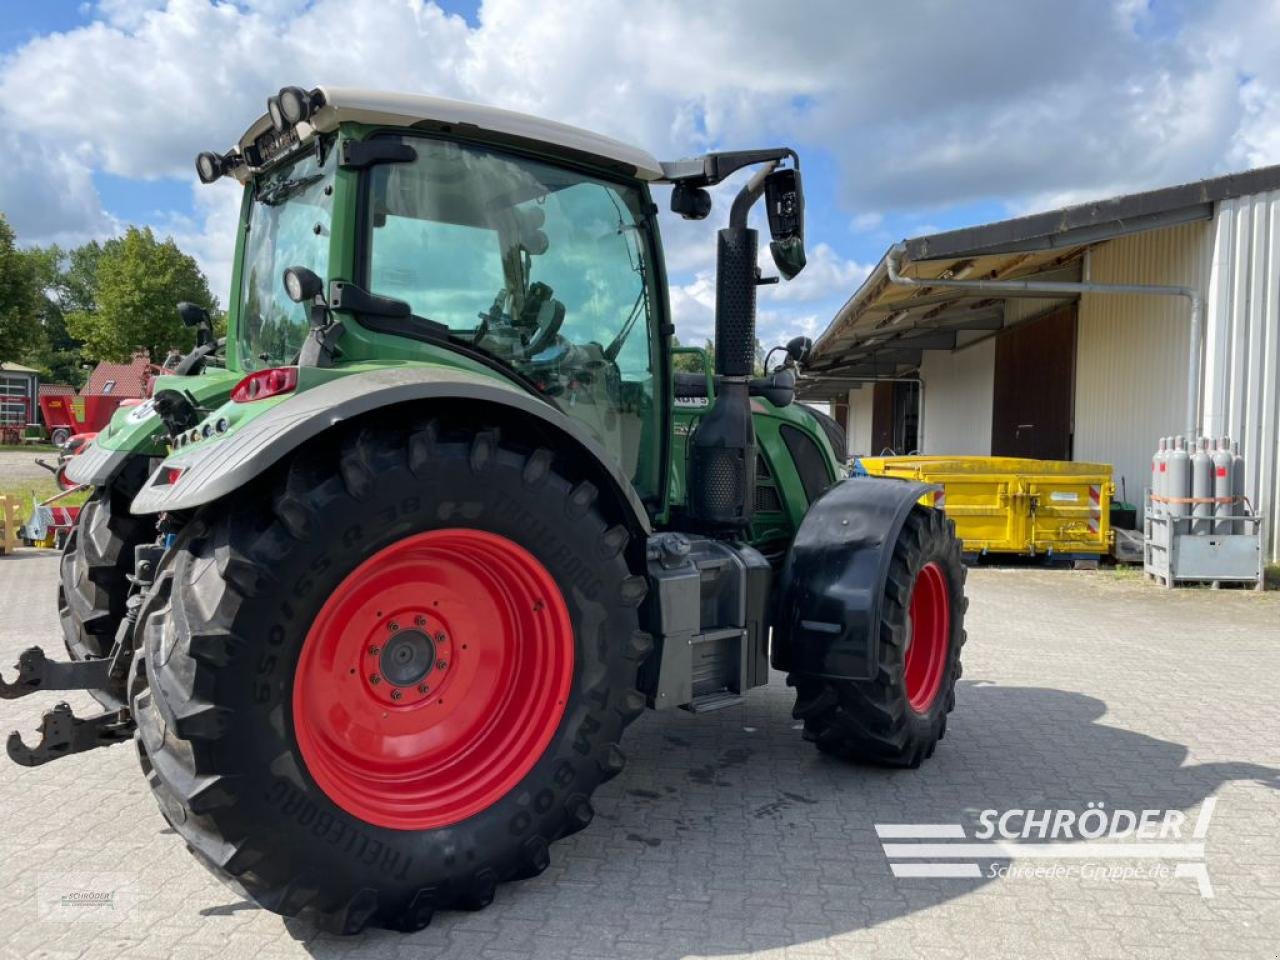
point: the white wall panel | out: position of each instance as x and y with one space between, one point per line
1242 344
957 400
858 426
1131 354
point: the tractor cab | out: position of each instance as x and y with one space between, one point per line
417 228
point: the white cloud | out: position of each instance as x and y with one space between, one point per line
920 107
866 222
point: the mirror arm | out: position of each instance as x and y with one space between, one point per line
748 195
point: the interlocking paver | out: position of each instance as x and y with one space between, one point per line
727 836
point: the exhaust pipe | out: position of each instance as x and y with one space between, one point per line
723 448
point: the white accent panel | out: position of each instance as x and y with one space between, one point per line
957 400
858 426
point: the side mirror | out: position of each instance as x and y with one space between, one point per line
784 203
302 284
192 314
692 203
799 348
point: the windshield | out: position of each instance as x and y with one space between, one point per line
546 268
288 225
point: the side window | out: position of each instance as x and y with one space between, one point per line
597 271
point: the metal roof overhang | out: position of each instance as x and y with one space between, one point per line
883 329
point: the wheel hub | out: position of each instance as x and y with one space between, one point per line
405 666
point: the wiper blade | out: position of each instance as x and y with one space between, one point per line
282 190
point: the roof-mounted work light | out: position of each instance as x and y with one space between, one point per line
278 122
209 167
295 104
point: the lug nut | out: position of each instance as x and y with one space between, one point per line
375 679
423 688
396 694
440 637
374 650
420 620
441 664
393 626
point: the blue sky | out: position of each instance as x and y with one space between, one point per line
909 118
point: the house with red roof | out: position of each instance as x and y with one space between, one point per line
125 381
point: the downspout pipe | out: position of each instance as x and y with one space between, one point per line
893 264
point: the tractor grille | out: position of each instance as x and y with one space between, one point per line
767 498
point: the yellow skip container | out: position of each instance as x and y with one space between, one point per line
1011 505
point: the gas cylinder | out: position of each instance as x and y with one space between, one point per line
1201 487
1237 486
1222 485
1157 473
1177 478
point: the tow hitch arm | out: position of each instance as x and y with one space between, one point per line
62 733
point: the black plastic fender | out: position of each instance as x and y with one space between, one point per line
827 603
215 468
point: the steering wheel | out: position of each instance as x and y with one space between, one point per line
550 320
193 362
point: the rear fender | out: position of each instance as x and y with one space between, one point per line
828 598
212 469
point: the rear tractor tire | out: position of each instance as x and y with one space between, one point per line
897 718
389 679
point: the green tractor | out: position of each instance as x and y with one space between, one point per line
375 584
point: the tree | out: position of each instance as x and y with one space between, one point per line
57 355
137 282
690 362
19 298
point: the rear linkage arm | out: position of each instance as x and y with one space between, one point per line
62 733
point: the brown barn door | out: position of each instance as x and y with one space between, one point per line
1034 392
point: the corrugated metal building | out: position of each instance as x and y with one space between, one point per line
1079 375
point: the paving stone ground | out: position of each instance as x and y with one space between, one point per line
728 836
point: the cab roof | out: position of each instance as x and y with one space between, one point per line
351 104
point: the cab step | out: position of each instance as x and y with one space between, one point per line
714 701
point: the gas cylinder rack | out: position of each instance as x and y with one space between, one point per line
1199 526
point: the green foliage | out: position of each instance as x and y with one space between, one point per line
57 355
690 362
19 298
137 281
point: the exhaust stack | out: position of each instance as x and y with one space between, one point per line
723 450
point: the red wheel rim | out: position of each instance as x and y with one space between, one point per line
433 679
929 637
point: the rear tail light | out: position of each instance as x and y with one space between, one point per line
265 383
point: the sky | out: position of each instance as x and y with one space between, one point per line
910 118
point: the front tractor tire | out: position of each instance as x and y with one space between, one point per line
387 681
897 718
